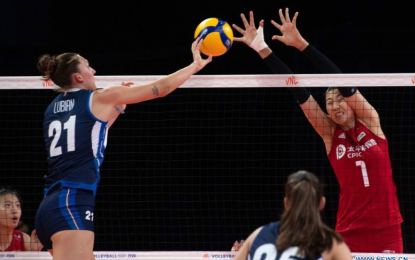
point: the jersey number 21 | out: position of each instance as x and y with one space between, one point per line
55 130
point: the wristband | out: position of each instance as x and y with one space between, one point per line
119 109
258 43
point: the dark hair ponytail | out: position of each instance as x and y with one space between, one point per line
59 68
301 223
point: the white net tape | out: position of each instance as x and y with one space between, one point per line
235 81
195 255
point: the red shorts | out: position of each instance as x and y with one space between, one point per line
374 240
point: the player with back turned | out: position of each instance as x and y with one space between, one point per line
76 127
300 234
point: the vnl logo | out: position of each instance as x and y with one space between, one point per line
48 83
413 80
291 81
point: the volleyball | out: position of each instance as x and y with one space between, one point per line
217 36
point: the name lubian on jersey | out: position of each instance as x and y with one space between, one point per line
63 106
354 151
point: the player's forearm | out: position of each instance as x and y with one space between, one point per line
323 63
327 66
279 67
169 83
274 63
117 95
265 53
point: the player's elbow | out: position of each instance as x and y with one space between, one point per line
164 87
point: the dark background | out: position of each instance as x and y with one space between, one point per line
200 168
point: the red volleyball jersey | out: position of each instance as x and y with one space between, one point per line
361 162
17 243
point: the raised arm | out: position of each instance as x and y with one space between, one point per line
364 111
105 100
255 39
292 37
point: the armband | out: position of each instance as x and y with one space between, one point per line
119 109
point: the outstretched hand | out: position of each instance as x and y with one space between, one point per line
290 34
237 246
197 59
252 37
250 32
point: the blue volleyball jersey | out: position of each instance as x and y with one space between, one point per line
264 245
75 142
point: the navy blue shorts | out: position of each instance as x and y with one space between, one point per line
64 209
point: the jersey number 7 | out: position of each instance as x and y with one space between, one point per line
362 165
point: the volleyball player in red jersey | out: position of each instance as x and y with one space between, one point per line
10 213
368 217
17 242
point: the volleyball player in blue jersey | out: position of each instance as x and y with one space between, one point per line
75 127
301 234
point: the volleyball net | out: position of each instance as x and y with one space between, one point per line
236 81
207 164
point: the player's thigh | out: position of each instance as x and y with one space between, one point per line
374 240
392 237
64 209
73 245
